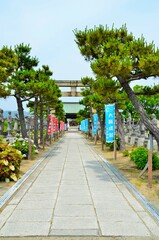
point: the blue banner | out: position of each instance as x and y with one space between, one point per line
95 123
110 122
86 125
82 126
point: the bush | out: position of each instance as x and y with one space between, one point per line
23 146
140 157
111 145
125 153
10 160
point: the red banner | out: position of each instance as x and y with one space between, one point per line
62 126
53 124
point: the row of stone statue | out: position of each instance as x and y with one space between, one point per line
138 129
9 121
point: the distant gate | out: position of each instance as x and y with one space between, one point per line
71 96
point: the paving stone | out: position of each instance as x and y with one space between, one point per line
39 196
74 193
115 228
45 204
74 232
149 222
80 199
6 214
118 215
74 223
29 215
25 229
72 210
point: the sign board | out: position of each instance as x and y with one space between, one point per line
110 122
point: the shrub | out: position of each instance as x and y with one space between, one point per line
10 160
125 153
23 146
1 138
140 157
111 145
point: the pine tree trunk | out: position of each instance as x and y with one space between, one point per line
91 129
47 135
41 123
120 130
102 125
36 121
21 116
154 130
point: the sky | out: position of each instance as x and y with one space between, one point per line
48 27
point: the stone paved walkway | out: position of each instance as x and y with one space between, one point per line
72 193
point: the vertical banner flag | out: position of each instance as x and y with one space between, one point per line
62 126
49 130
86 125
83 125
110 122
95 123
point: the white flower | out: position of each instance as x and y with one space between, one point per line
24 155
36 151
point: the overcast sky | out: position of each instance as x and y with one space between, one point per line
48 27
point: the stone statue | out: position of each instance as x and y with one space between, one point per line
142 128
16 119
129 123
1 121
9 119
27 122
154 119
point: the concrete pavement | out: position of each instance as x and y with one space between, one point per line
73 193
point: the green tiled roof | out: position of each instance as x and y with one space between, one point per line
72 107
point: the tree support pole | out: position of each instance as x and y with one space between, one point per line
29 143
115 152
150 161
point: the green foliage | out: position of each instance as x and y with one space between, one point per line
1 138
23 146
8 63
5 125
140 157
111 145
82 114
10 160
114 53
125 153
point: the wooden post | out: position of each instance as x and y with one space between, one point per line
95 138
50 139
43 143
115 152
150 161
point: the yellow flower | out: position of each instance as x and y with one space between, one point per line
14 177
12 167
